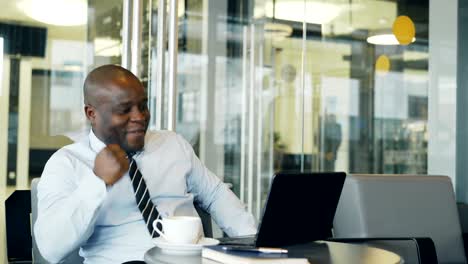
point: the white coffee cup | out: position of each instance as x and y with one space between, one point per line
179 229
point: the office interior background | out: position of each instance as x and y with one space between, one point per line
259 85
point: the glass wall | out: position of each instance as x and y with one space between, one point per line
262 85
46 49
284 85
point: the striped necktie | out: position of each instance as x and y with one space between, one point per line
147 208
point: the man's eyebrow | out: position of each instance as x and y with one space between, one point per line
128 103
124 103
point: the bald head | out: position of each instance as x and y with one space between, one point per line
101 79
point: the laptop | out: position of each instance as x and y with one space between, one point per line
300 208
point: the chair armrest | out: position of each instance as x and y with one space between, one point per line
206 221
424 246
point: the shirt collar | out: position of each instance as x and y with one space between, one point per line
95 143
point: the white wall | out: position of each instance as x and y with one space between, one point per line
4 98
442 87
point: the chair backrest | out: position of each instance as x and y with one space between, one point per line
463 213
402 206
18 232
206 221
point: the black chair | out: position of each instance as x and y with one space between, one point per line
18 228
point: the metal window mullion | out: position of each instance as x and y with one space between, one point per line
243 111
251 121
137 23
126 33
173 52
304 43
161 66
272 118
259 127
24 124
4 124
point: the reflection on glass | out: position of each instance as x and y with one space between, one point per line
55 12
259 94
403 29
317 12
48 70
382 65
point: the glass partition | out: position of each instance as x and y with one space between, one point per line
47 48
262 85
285 85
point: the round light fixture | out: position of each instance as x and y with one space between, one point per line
404 30
385 39
56 12
382 65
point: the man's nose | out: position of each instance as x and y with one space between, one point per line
137 115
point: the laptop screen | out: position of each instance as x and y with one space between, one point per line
300 208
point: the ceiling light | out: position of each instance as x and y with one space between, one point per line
315 12
402 33
384 39
107 47
56 12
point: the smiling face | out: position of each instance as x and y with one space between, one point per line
119 113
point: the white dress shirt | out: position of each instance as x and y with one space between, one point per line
77 210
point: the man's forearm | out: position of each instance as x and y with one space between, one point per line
66 221
230 214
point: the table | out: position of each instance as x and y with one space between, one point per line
317 252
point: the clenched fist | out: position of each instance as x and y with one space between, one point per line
111 164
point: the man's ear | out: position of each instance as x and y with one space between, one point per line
90 113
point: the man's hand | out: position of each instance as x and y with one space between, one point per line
111 164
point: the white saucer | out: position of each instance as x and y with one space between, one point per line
184 249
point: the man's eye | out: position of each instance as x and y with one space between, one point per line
124 110
143 107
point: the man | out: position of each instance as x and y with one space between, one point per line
86 195
332 142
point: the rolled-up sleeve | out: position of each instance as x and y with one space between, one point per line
67 207
216 198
